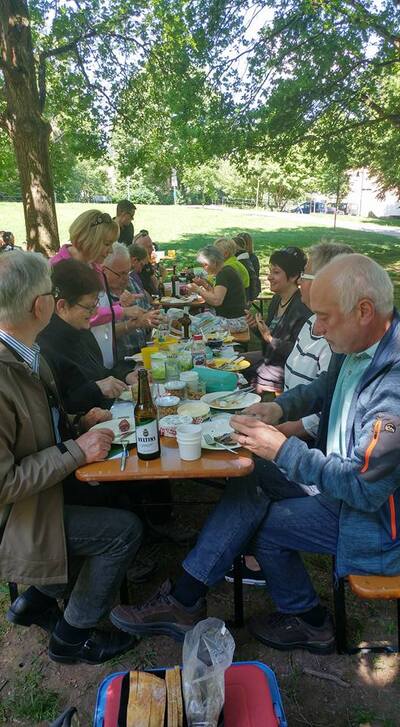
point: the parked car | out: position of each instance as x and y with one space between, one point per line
306 208
331 209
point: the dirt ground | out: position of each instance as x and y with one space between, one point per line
340 691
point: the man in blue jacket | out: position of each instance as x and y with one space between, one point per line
355 470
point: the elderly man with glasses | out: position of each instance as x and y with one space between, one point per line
354 468
60 551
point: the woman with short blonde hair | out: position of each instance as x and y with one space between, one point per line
92 235
227 247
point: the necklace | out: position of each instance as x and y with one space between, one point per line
283 305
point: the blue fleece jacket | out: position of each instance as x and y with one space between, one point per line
367 481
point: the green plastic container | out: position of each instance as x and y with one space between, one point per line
216 380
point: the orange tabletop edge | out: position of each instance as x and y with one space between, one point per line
212 464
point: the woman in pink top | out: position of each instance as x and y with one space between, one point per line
92 235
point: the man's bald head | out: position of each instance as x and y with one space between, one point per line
352 297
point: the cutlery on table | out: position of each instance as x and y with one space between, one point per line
237 393
119 437
124 445
212 442
230 363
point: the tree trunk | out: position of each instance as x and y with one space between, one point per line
26 126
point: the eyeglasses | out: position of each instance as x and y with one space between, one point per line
100 219
306 276
54 292
119 275
90 308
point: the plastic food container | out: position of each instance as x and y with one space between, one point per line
199 411
176 388
167 405
169 424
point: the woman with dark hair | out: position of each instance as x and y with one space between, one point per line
286 316
70 347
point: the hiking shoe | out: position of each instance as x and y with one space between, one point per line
141 569
161 614
174 531
23 613
285 632
249 577
101 646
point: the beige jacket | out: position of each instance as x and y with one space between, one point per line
32 467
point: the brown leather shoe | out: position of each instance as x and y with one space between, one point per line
286 632
161 614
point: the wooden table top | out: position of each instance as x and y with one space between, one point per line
212 464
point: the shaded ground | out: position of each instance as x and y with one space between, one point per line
317 691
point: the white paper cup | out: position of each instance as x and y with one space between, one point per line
188 437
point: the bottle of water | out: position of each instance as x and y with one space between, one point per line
198 350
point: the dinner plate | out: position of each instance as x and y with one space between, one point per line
217 363
245 400
113 424
216 428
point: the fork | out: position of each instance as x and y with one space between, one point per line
124 446
212 442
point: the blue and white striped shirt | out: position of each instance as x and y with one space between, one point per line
30 354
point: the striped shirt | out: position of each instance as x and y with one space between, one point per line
309 357
29 354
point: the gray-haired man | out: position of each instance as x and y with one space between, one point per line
43 542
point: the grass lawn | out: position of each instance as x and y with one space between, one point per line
187 229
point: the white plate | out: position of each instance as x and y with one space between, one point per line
114 425
138 358
216 428
245 400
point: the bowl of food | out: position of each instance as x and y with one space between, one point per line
167 405
175 388
215 343
199 411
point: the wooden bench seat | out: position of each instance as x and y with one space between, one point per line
376 587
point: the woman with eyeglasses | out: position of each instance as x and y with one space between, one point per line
286 315
92 235
69 345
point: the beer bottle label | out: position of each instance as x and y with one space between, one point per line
147 437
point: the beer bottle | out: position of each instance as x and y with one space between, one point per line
186 323
147 435
175 282
161 289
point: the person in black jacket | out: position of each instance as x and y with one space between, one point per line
244 257
286 316
70 347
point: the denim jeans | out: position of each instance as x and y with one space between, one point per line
276 519
101 543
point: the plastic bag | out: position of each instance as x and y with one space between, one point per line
207 652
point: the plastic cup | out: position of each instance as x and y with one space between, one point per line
172 368
146 355
185 360
188 437
158 366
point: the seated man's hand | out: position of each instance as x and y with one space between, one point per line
151 319
94 416
133 312
257 437
96 444
111 387
203 283
269 412
127 298
131 378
